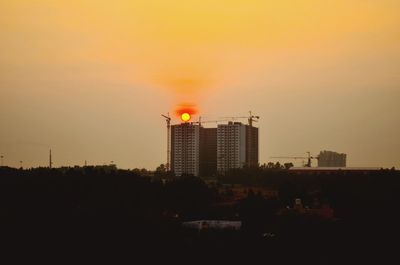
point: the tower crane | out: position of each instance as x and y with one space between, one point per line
308 157
199 122
251 118
168 120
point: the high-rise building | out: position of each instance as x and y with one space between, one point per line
200 151
331 159
185 149
237 146
193 150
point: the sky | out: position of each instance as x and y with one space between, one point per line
90 78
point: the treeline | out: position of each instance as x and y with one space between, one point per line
147 210
103 191
91 191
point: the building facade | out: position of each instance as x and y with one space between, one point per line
331 159
237 146
185 149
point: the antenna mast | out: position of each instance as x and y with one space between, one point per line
50 160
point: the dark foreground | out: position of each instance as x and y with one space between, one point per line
121 215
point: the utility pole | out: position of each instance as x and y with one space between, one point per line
50 160
20 163
2 160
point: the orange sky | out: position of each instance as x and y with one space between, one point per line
90 78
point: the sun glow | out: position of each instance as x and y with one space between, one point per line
185 117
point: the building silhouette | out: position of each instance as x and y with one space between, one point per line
185 149
331 159
237 146
231 146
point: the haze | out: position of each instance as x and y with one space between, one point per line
89 79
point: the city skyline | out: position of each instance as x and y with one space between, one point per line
203 129
89 79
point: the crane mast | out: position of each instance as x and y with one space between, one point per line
168 120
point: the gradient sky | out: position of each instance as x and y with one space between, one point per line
89 79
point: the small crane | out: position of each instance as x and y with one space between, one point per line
309 157
168 120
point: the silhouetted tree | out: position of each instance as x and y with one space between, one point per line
288 165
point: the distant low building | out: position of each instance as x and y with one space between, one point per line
323 211
331 159
213 224
318 170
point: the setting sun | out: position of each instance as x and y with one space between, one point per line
185 117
